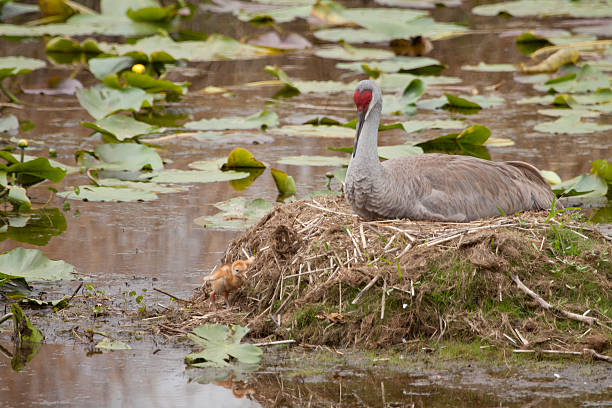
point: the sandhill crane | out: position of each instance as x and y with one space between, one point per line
436 187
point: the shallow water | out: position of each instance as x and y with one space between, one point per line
131 246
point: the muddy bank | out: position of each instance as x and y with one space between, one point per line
322 276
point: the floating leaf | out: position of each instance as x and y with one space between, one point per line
220 344
10 66
9 123
547 8
274 15
236 214
459 102
32 265
18 198
589 185
483 67
315 131
140 185
284 182
352 53
120 126
101 67
314 160
470 141
588 79
121 156
152 85
108 344
196 176
602 168
395 64
418 125
241 158
391 152
392 82
100 101
23 329
101 193
551 177
571 124
216 48
262 120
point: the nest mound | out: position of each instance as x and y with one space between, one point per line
323 276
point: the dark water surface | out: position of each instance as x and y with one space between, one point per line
133 246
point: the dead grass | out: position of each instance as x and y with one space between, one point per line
323 276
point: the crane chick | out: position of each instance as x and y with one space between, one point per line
227 278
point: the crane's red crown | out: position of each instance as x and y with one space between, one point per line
362 99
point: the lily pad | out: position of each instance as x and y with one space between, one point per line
602 168
101 67
121 156
33 265
241 158
262 120
221 344
588 185
9 123
236 214
459 102
483 67
470 141
571 124
216 48
274 15
121 127
108 344
395 64
305 160
102 193
100 101
588 79
350 53
547 8
315 131
197 176
10 66
418 125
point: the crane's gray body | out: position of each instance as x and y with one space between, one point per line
436 187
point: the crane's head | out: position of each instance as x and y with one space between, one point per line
239 267
366 96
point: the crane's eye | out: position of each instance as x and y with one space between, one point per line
362 99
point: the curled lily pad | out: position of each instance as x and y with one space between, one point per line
262 120
120 126
459 102
18 65
588 185
100 101
470 141
236 214
315 131
284 183
241 158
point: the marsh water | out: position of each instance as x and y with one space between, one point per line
122 247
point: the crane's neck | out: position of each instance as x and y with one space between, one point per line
366 150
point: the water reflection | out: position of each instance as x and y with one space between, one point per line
34 227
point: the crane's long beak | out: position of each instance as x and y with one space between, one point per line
360 120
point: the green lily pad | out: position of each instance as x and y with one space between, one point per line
395 64
121 156
33 265
10 66
395 81
197 176
152 85
141 185
241 158
588 79
38 169
547 8
221 344
583 113
459 102
108 344
418 125
284 182
121 127
391 152
236 214
101 67
483 67
35 227
9 123
216 48
18 198
550 176
274 15
261 120
352 53
101 193
380 30
571 124
305 160
470 141
588 185
315 131
100 101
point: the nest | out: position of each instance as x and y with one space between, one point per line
323 276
